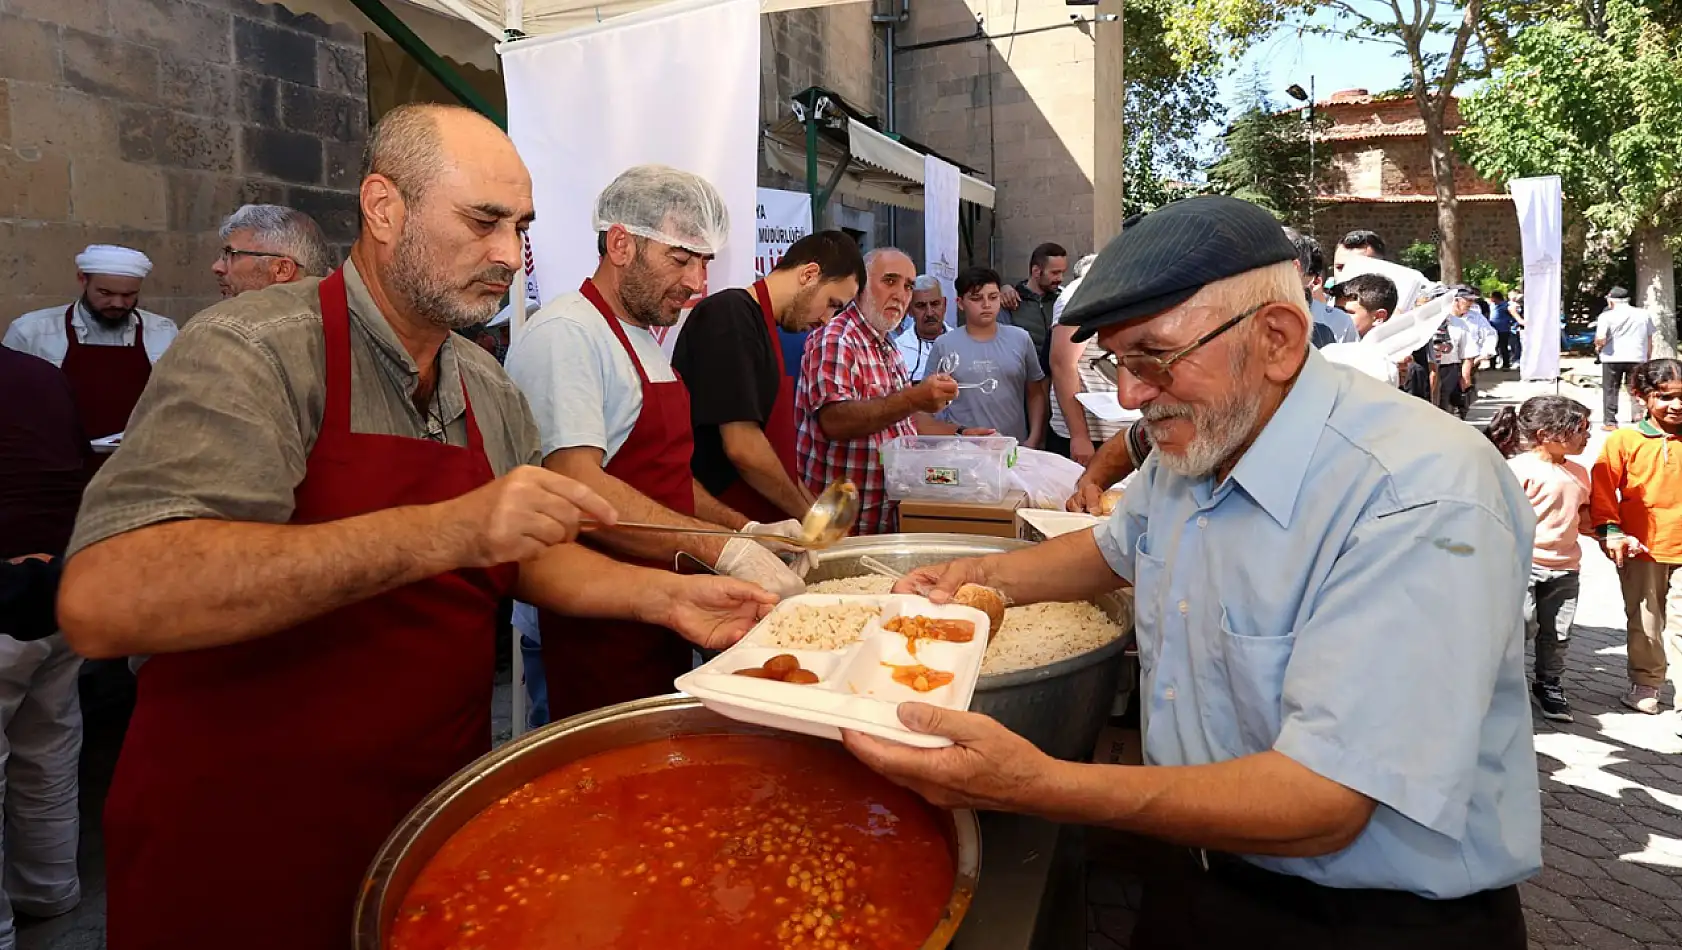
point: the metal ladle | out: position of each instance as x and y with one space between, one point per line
826 522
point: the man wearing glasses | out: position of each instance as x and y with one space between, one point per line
263 245
1337 774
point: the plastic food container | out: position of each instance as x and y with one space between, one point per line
856 688
953 468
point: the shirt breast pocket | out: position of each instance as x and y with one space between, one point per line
1148 577
1255 680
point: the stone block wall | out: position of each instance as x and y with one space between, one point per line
836 47
1488 229
145 122
1024 110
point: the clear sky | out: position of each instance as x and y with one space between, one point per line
1334 62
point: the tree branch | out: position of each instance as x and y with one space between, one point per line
1451 69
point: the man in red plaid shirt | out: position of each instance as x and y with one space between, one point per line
854 393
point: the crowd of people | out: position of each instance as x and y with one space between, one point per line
330 483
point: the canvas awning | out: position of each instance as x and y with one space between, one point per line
467 31
878 167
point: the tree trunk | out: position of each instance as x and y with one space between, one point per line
1655 285
1448 206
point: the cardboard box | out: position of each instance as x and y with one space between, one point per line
939 517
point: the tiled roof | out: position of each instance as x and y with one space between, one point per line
1402 199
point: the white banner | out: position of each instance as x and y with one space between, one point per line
577 131
784 217
1541 209
940 228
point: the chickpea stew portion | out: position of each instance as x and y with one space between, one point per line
716 841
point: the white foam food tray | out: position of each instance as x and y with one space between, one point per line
855 690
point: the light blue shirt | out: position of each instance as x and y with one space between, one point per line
1351 597
1336 320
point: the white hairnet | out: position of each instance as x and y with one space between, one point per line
667 205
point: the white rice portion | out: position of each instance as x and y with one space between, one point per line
804 627
1032 636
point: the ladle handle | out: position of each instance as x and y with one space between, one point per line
711 532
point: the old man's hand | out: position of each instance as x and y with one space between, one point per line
987 766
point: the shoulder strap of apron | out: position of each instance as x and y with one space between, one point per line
335 331
588 289
762 293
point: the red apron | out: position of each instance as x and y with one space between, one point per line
779 429
107 380
593 663
258 779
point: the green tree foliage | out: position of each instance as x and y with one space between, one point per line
1597 100
1265 157
1168 105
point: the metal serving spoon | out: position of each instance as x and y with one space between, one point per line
985 386
948 364
828 521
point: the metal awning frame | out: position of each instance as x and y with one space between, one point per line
826 138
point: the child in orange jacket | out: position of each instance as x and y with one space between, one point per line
1636 505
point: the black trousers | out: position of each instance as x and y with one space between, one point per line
1235 904
1451 396
1055 443
1614 378
1507 349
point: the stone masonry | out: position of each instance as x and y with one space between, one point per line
836 47
1378 177
145 122
1025 110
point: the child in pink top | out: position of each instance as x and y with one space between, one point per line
1536 440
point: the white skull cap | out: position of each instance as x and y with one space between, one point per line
665 204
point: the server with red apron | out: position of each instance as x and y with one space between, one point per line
613 414
349 495
332 729
104 342
742 402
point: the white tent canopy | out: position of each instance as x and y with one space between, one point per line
880 168
467 31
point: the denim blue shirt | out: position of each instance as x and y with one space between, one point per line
1350 596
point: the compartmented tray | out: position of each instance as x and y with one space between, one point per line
857 686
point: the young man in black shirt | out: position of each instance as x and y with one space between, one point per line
741 396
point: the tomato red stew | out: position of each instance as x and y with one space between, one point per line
714 842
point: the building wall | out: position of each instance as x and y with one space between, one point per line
1488 229
145 122
1022 110
836 47
1390 167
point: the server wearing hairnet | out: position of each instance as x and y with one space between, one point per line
614 415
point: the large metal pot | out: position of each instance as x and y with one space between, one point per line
1060 707
488 779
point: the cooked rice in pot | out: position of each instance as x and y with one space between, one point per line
1032 636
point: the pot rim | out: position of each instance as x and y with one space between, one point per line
368 920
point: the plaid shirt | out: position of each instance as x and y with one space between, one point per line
846 360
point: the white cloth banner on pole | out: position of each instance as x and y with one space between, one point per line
940 228
784 217
577 132
1541 212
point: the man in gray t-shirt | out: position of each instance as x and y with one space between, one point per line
986 349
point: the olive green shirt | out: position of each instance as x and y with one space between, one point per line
226 424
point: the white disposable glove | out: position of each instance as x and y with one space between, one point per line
750 561
788 529
804 562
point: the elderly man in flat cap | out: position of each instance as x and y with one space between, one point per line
104 342
1335 773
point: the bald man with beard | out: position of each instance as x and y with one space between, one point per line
322 500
